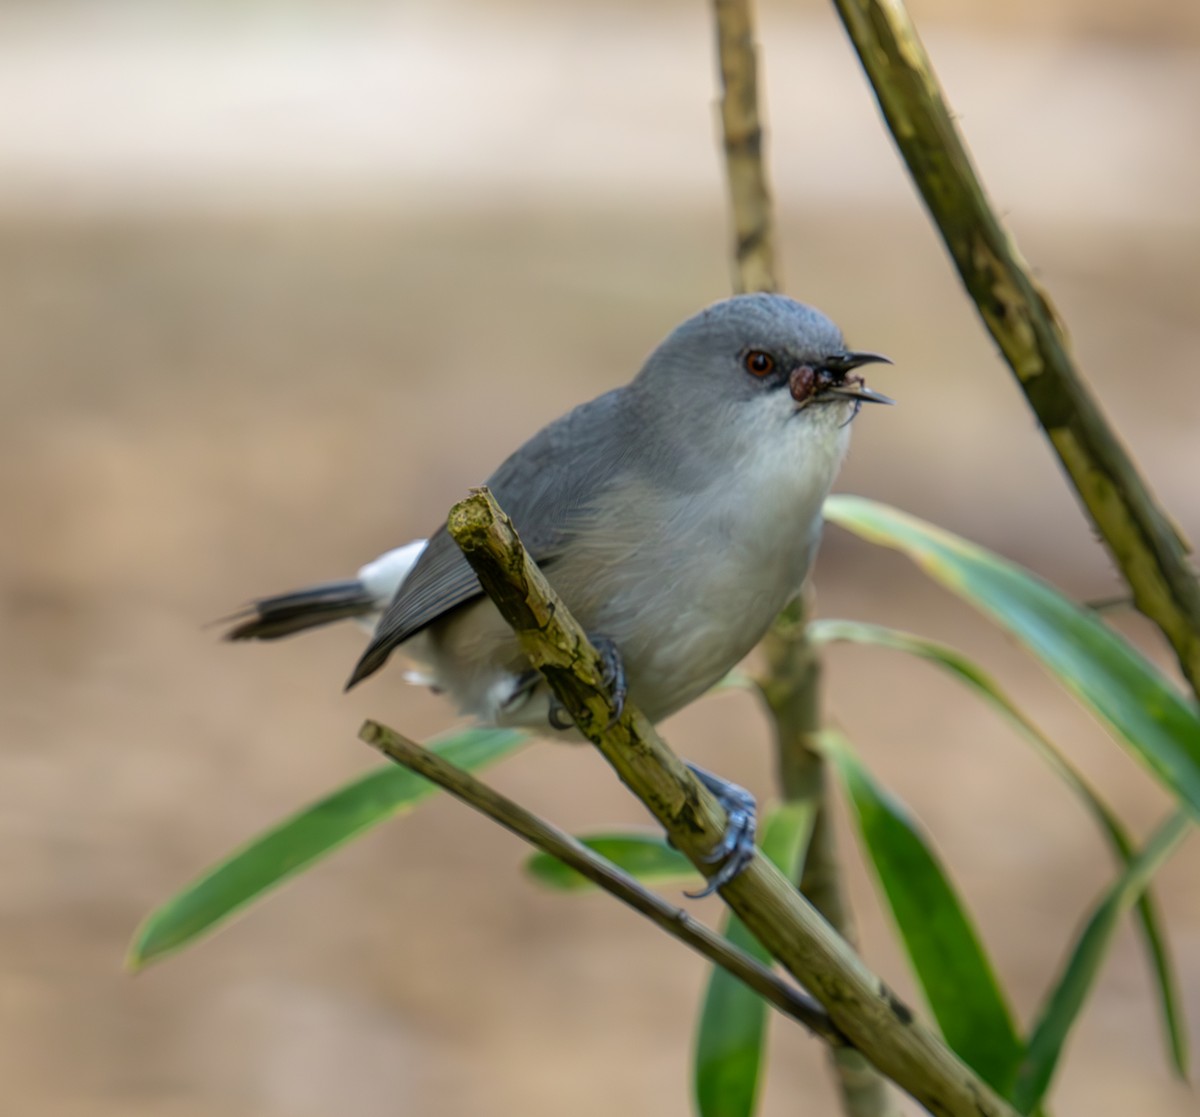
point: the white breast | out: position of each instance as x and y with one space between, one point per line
687 584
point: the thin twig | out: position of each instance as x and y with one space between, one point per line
603 873
1138 533
861 1006
754 266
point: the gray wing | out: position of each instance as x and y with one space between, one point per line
545 487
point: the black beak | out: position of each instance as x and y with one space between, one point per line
847 362
843 363
858 392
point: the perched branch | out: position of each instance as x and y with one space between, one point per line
603 873
749 196
862 1008
1143 541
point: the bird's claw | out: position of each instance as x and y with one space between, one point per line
736 848
612 676
558 716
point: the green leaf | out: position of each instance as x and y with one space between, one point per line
942 944
729 1042
645 856
958 665
1062 1006
1115 681
280 853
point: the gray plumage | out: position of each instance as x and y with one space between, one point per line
536 491
676 516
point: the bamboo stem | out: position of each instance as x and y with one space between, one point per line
1137 532
754 264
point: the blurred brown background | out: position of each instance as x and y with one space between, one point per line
278 282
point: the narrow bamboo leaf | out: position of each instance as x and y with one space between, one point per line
283 851
1066 998
732 1031
644 856
1149 919
939 937
1115 681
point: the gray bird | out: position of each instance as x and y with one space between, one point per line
676 516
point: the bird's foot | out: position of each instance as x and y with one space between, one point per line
736 849
613 678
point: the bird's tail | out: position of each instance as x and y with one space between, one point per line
269 618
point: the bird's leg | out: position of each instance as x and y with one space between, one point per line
736 849
613 677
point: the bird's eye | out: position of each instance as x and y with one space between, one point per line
759 363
